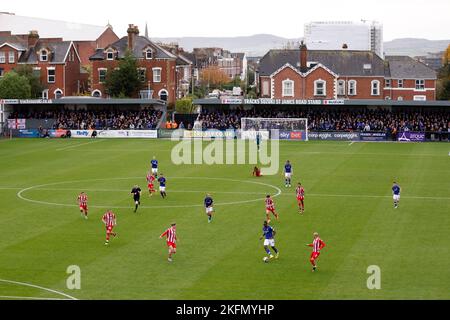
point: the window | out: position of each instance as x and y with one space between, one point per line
37 72
341 88
288 88
51 75
11 57
44 55
388 83
419 98
142 74
71 56
156 74
109 55
265 88
400 83
420 84
58 94
320 88
102 75
352 88
163 95
45 94
1 72
375 87
148 54
2 57
96 93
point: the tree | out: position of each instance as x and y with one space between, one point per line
33 79
214 77
123 82
446 57
443 84
14 86
184 105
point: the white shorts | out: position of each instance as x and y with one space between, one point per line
288 175
269 242
396 197
154 170
209 209
162 189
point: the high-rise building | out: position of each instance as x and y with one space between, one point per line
335 35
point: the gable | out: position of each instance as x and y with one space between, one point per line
284 67
11 46
72 47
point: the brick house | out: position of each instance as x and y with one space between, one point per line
343 74
56 62
157 67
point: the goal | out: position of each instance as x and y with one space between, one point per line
275 128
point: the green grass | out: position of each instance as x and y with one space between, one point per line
348 201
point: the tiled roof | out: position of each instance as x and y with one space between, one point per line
140 44
342 62
58 51
404 67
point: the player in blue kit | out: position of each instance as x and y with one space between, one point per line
288 174
154 164
396 194
162 186
209 207
268 235
258 140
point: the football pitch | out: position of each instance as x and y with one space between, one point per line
348 201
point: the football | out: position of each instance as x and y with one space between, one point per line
265 259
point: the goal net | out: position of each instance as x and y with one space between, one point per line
275 128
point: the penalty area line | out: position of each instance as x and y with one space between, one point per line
39 287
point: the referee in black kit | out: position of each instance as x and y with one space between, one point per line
136 192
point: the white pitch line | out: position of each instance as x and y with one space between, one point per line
19 194
351 143
78 145
367 196
30 298
128 190
39 287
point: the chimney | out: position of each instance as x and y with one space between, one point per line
133 32
33 38
303 57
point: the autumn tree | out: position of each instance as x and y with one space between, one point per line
214 77
443 85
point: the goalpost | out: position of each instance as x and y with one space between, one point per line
275 128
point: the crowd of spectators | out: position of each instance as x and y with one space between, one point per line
100 120
336 120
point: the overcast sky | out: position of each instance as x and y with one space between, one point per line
177 18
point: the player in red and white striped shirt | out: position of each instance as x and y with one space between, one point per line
317 246
151 183
300 191
270 208
171 236
109 219
82 202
